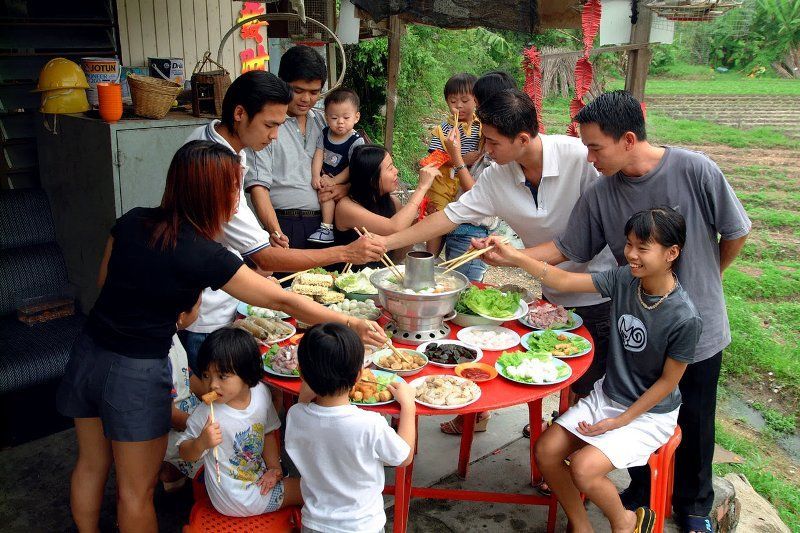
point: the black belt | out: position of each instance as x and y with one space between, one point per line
303 213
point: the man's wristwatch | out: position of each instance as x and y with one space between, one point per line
457 169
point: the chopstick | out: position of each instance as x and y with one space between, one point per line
394 350
470 251
210 401
292 276
469 256
347 267
385 259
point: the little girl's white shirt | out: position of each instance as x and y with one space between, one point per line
240 460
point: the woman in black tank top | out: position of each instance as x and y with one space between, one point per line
370 204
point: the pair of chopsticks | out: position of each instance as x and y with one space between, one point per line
292 276
394 350
386 260
467 257
347 267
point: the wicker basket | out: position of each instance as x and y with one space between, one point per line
152 97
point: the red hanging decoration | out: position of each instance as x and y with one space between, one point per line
584 73
532 66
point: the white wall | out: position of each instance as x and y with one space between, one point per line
180 28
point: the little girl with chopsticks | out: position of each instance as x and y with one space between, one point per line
633 410
244 475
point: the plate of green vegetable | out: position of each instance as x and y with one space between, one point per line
561 344
478 307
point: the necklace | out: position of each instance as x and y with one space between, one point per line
660 300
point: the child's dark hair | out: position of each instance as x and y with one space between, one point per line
253 90
615 113
232 351
340 96
301 62
459 84
330 357
492 83
663 225
510 111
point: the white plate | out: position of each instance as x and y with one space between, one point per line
268 369
578 322
557 362
421 348
379 373
388 351
279 339
464 336
241 308
420 380
524 343
522 310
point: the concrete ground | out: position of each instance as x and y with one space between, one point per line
35 488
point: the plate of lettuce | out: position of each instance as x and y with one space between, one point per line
477 307
532 368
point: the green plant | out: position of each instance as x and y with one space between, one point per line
664 57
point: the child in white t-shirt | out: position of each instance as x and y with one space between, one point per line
251 479
339 449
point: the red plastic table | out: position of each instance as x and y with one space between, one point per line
495 394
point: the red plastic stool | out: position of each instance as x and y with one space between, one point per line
205 519
662 479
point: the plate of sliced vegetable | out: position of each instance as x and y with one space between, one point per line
260 312
532 368
371 389
561 344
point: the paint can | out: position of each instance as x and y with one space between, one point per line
168 68
99 70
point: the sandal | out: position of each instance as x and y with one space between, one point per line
645 520
543 488
526 431
694 523
454 426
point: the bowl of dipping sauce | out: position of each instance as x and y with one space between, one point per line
477 372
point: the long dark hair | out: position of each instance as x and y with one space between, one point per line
202 182
365 176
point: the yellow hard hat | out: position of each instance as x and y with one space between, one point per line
62 101
60 73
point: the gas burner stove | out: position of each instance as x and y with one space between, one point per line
417 337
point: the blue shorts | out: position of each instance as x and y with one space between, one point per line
130 396
458 241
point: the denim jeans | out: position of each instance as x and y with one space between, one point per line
191 343
457 242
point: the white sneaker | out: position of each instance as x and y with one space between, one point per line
321 236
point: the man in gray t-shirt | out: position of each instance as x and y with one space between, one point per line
636 356
637 176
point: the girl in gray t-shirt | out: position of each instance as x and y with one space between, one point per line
633 410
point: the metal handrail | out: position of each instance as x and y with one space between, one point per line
289 16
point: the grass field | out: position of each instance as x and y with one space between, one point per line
699 80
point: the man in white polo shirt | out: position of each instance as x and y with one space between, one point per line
253 108
533 184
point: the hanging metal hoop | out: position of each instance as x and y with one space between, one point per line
290 16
